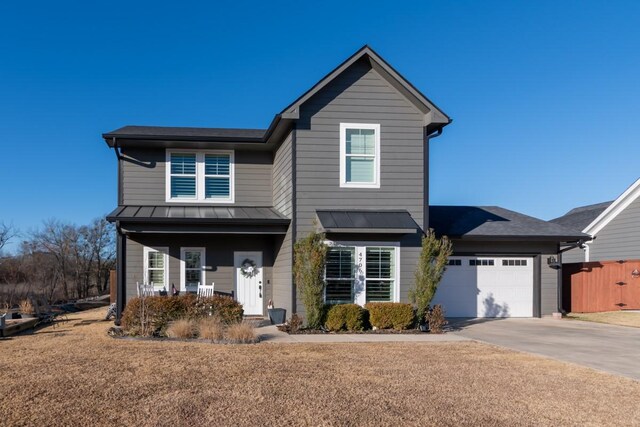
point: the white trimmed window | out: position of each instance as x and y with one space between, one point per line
156 267
359 155
362 274
200 176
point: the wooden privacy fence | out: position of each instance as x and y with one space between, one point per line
601 286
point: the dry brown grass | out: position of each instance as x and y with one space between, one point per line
622 318
26 307
182 328
76 375
211 328
241 333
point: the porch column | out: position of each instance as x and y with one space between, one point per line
121 282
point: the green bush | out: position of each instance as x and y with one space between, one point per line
350 317
309 259
151 315
388 315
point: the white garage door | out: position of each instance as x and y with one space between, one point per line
487 287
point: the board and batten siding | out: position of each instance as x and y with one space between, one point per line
282 201
361 95
548 276
143 178
620 238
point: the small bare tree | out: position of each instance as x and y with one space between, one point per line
7 232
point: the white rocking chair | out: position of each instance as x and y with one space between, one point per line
145 289
206 291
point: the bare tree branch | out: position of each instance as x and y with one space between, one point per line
7 232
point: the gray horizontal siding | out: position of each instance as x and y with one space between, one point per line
283 202
144 178
360 95
620 239
574 255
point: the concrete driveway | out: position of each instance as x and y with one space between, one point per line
614 349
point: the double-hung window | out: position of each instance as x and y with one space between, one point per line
359 155
340 271
200 176
156 267
381 274
361 274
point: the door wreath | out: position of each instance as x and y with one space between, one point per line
248 268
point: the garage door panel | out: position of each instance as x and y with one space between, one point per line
477 289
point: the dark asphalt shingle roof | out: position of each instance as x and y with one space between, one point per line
495 222
163 132
198 214
350 219
579 218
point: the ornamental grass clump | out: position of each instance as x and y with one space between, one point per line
310 255
241 333
26 307
211 328
431 267
182 328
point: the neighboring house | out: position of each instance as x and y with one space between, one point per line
203 206
614 226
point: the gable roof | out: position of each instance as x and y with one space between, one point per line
496 223
433 115
434 118
578 218
614 209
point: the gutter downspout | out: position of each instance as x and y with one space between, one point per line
425 177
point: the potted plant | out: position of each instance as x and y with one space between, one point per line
277 316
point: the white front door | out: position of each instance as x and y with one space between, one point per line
191 269
249 283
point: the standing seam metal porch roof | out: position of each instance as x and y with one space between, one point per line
198 214
366 221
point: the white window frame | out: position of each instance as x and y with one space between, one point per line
145 267
343 155
360 298
183 266
200 176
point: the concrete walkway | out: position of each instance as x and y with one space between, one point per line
272 334
609 348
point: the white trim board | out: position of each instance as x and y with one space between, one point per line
343 155
614 209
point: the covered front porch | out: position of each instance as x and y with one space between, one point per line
189 249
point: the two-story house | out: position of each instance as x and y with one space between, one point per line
202 206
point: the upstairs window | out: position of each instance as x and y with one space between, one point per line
359 155
200 176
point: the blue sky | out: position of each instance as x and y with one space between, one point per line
544 95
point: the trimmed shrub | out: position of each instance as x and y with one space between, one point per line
388 315
350 317
182 328
151 315
241 333
211 328
226 308
436 319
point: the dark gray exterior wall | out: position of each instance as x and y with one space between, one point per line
548 276
620 239
219 255
283 202
144 179
361 95
573 255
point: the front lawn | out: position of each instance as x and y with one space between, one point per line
622 318
77 375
